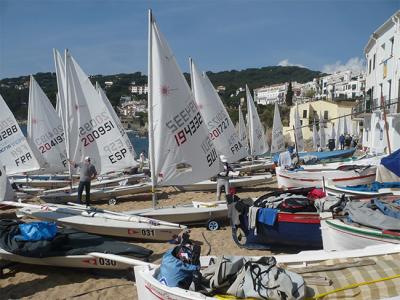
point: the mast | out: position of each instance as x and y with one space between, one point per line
66 129
295 144
150 109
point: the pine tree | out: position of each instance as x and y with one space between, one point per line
289 95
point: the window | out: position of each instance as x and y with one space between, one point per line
390 91
326 115
373 62
304 114
301 122
353 87
369 66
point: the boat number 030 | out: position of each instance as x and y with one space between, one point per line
107 262
147 232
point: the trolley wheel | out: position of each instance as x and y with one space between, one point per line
213 225
112 201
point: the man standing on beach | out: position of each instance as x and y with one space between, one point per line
223 178
88 173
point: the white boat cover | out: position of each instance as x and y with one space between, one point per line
6 191
256 129
220 127
15 152
91 126
298 132
182 152
278 142
45 131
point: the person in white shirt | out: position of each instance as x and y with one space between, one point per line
142 158
285 158
223 178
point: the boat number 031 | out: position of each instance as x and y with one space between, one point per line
106 262
147 232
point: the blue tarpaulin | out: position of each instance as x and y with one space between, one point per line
392 162
373 187
322 155
36 231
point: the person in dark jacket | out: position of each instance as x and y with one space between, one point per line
341 141
223 178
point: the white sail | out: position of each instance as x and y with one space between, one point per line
45 131
333 133
181 150
277 142
298 132
322 136
15 152
219 124
6 191
243 130
256 129
117 120
91 126
316 140
345 128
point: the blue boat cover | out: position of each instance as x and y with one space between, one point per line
36 231
267 215
373 187
392 162
322 155
391 210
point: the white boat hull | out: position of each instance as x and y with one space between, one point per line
92 223
69 261
291 179
337 235
97 194
239 182
185 214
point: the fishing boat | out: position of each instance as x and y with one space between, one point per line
361 224
71 249
236 182
324 155
350 174
103 222
280 218
374 272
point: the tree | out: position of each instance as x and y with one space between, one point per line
289 95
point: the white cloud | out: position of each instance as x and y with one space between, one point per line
286 63
355 64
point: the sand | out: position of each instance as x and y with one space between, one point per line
38 282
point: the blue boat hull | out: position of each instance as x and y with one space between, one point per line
323 155
294 229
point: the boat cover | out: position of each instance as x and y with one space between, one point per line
373 187
391 162
66 242
361 212
323 155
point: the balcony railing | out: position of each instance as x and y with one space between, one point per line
370 105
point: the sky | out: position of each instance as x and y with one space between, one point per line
110 36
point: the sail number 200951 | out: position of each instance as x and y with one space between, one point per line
96 133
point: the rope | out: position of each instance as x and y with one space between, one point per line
352 286
96 290
207 242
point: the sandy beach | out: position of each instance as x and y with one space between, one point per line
37 282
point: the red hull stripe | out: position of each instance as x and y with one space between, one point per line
338 179
351 178
299 218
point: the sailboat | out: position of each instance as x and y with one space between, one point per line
278 141
15 151
181 150
221 131
99 135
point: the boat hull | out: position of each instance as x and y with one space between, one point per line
337 235
314 178
290 229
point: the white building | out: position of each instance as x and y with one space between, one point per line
382 53
271 94
138 89
341 85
